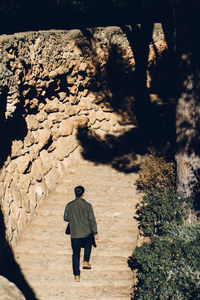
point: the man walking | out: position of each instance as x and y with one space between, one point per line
83 229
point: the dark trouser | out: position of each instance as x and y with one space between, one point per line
77 244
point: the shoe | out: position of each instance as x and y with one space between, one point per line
86 265
77 278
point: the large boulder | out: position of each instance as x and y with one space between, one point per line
8 291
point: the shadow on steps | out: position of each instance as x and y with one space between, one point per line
8 266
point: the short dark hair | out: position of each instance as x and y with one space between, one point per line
79 190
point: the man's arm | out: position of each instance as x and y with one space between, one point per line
66 218
92 220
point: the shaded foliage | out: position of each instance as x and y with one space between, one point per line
156 173
157 210
168 266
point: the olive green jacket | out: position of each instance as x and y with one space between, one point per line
80 215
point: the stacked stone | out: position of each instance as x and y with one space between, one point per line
58 79
50 75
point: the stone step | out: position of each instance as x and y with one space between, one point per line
105 188
64 292
98 171
82 175
66 282
105 181
32 259
58 237
104 198
113 217
110 182
61 280
94 172
98 211
29 243
63 251
64 248
117 202
113 193
121 252
55 267
66 274
112 227
44 252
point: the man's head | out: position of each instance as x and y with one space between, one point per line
79 191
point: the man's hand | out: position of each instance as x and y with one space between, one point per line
96 237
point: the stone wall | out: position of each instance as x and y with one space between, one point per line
52 84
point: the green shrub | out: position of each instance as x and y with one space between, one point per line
156 173
157 210
169 266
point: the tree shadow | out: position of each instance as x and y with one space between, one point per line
120 152
122 87
9 267
12 128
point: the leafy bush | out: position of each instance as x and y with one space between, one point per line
157 210
187 233
169 266
156 173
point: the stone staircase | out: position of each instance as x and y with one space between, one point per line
44 251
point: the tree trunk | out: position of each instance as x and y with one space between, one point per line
188 104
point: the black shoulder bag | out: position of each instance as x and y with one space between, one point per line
67 231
